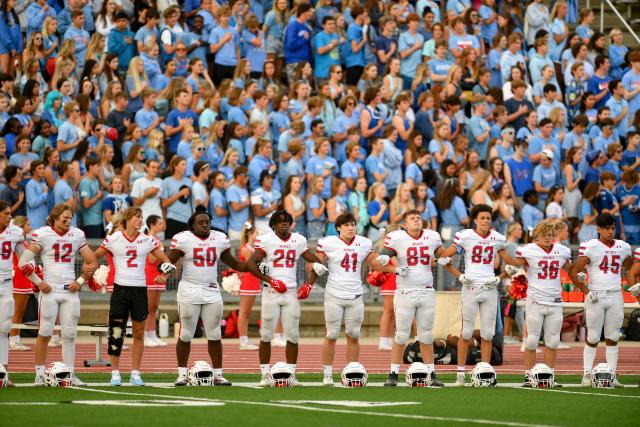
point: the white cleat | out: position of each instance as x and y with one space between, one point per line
159 342
295 382
384 347
39 381
248 347
327 381
150 342
264 382
459 379
77 382
617 383
18 346
55 341
586 380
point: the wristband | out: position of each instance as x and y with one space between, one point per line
80 280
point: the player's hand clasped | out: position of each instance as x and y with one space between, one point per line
167 268
383 259
635 290
320 269
304 291
582 276
28 269
444 260
466 281
591 297
511 270
492 283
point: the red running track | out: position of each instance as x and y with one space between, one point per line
162 359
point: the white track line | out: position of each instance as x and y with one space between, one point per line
334 411
582 392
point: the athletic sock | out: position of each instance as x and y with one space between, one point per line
461 369
115 373
328 370
431 366
395 368
588 356
39 370
69 352
217 373
612 357
388 341
153 335
264 369
244 340
146 334
15 339
182 372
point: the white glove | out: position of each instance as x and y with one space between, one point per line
319 268
591 297
466 281
511 270
167 267
264 268
635 290
383 259
402 271
444 260
492 283
582 276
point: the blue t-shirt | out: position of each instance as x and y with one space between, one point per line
180 210
531 216
68 134
355 59
226 55
237 219
454 214
522 175
631 82
374 208
217 200
326 60
88 190
317 165
547 177
173 120
409 63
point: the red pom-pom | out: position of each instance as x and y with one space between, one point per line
112 134
376 278
228 272
93 285
519 285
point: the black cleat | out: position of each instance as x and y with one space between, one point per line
392 381
436 382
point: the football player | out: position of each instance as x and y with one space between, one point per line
480 246
415 249
345 255
129 249
58 243
603 258
198 291
280 250
11 239
543 260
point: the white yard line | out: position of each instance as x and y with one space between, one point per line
583 392
327 410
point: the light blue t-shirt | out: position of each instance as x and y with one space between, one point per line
88 190
454 213
409 64
355 59
547 177
317 165
68 134
226 55
217 200
180 210
237 218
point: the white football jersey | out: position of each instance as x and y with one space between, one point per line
479 253
10 238
605 263
58 254
130 257
281 256
345 264
416 254
543 271
199 282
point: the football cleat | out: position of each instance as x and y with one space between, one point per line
327 381
116 380
616 383
392 380
435 382
149 342
221 382
248 347
180 382
136 380
586 380
459 379
264 381
39 381
77 382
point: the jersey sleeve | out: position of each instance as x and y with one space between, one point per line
626 251
226 243
303 244
261 244
390 242
437 241
367 246
107 243
501 242
39 237
322 246
458 238
565 252
178 243
521 251
636 255
81 238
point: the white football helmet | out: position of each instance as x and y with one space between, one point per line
4 376
354 375
602 376
541 376
200 373
483 375
418 375
281 375
57 374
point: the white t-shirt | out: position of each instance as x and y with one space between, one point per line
10 238
345 264
605 263
479 253
543 272
151 206
416 254
554 210
130 257
58 254
281 256
199 282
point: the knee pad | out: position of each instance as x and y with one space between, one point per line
117 332
69 332
266 336
401 338
186 335
333 333
467 331
532 342
46 327
292 336
214 335
593 336
353 330
552 342
426 338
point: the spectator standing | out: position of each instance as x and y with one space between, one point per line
410 49
91 199
79 35
357 37
239 202
176 197
13 192
297 41
146 191
36 194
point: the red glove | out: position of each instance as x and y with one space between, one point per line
278 285
93 285
27 269
305 291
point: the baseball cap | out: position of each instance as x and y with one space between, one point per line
547 153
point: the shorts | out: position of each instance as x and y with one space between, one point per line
607 312
388 287
275 46
249 285
129 301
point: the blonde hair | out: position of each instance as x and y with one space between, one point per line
137 76
227 154
45 26
380 243
20 221
544 227
117 223
247 229
396 199
155 139
372 189
58 210
479 181
94 45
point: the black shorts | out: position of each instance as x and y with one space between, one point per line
129 301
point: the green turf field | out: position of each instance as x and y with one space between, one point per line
243 406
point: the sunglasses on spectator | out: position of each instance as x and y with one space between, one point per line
200 148
76 110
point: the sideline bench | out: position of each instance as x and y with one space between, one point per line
98 331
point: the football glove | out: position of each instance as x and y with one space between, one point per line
402 271
320 269
93 285
492 283
264 268
167 268
591 297
466 281
582 276
511 270
383 259
304 291
28 269
278 286
635 290
444 260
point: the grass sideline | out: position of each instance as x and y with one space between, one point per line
243 406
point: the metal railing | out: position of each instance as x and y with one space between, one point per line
619 15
